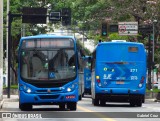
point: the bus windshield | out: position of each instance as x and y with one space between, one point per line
46 61
120 52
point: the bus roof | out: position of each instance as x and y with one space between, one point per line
47 36
114 43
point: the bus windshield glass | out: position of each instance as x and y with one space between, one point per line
120 52
47 59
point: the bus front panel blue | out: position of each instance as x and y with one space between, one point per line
31 94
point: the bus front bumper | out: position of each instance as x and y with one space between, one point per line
118 91
56 98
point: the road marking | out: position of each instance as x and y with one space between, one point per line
96 113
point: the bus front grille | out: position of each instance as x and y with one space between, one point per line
48 96
46 91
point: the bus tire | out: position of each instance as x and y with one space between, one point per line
95 102
102 102
25 107
80 97
61 106
132 103
143 99
139 102
83 94
72 105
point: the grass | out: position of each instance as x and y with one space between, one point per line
153 90
12 87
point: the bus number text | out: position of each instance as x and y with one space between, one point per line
134 78
133 70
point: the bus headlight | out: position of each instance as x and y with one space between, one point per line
28 90
71 87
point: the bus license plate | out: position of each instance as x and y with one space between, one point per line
119 82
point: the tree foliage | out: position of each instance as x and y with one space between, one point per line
88 16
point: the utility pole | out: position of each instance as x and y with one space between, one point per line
153 24
149 63
6 60
1 50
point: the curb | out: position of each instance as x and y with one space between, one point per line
13 98
156 100
1 103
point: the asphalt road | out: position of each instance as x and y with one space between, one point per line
150 111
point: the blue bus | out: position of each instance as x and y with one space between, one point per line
48 71
118 73
87 74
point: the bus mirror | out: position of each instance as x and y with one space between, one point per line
100 41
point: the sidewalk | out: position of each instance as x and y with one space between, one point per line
13 98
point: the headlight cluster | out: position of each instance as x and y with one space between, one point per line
71 87
26 89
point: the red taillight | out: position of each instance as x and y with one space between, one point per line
142 79
98 80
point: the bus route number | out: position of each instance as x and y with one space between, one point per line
134 78
133 70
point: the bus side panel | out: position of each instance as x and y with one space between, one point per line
87 80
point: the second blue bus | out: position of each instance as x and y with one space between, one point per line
118 73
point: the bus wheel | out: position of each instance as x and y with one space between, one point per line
132 104
83 94
95 102
80 97
139 102
143 99
25 107
62 106
72 105
102 102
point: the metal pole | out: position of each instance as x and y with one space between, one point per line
153 56
9 50
1 50
153 44
149 63
8 4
